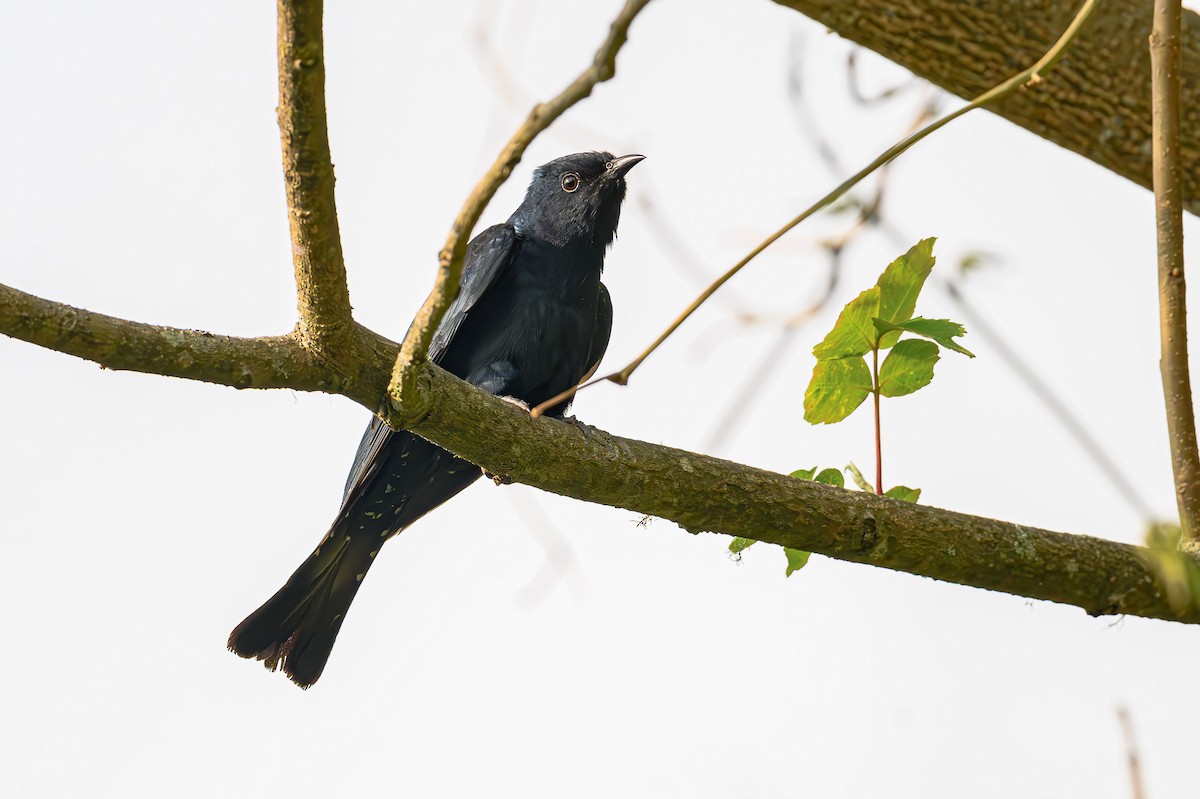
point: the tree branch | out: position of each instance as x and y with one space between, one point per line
445 289
698 492
703 493
322 295
264 362
1172 287
1098 106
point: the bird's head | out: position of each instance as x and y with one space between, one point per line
575 199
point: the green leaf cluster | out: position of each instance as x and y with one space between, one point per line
798 558
874 321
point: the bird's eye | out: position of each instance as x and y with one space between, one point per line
608 165
570 182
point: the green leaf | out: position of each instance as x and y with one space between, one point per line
908 367
796 559
900 285
859 480
738 544
903 493
836 389
1177 573
853 333
943 331
831 477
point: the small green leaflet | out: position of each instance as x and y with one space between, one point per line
943 331
1177 572
804 474
899 286
836 389
908 367
796 559
858 479
831 477
903 493
853 333
738 544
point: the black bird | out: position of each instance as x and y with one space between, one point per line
531 320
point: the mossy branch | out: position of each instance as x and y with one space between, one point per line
1098 105
698 492
323 298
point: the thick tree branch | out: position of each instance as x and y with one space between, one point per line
698 492
1098 105
1172 288
323 298
265 362
603 67
703 493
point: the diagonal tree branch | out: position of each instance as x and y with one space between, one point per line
698 492
322 295
702 493
1098 105
445 289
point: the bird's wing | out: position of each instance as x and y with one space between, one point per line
489 255
365 461
600 333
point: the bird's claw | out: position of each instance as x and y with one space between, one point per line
583 427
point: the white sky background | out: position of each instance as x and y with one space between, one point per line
142 517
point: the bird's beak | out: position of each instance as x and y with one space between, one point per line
619 166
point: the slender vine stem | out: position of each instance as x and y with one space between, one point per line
1165 64
1029 77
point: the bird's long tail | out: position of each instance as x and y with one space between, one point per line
295 629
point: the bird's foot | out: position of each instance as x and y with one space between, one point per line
588 431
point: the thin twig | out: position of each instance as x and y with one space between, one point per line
1137 790
755 382
420 333
322 295
1172 298
1030 76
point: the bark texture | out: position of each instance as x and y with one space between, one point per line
706 494
1097 100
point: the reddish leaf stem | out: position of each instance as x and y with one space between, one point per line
878 442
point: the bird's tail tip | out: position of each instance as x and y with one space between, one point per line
294 631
